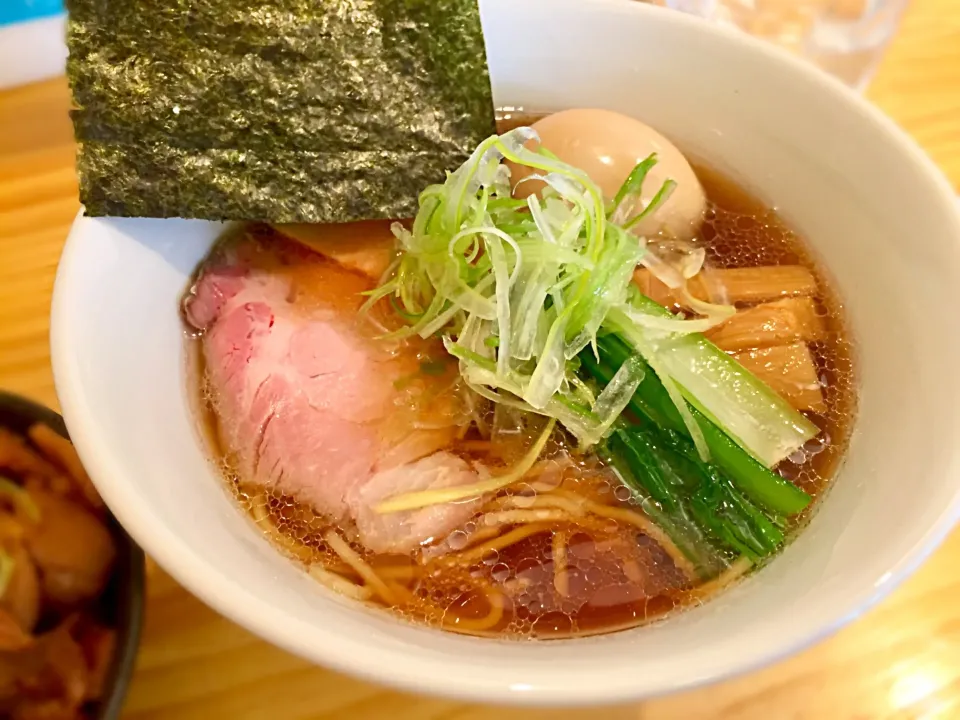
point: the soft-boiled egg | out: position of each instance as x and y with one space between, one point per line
607 146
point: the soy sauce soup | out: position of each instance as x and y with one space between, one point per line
582 557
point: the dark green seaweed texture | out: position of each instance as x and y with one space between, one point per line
273 110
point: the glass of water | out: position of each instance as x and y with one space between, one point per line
844 37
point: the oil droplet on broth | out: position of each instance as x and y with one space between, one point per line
458 540
500 572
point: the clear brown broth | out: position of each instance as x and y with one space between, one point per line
616 577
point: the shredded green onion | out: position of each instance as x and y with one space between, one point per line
21 498
7 566
517 288
663 194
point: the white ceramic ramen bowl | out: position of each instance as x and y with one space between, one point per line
873 207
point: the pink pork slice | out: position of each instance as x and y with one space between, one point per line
306 398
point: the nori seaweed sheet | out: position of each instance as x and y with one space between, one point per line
273 110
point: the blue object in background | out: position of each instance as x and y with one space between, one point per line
32 41
12 11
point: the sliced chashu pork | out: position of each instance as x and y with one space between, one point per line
307 398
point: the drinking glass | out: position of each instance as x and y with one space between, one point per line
844 37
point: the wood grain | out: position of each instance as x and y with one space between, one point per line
900 661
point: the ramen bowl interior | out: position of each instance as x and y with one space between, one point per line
875 211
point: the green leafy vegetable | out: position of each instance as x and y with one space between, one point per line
706 515
687 488
651 402
752 414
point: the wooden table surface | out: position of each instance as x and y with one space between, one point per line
902 660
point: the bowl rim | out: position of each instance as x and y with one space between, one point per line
131 571
351 655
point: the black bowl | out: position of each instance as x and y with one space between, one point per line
122 603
